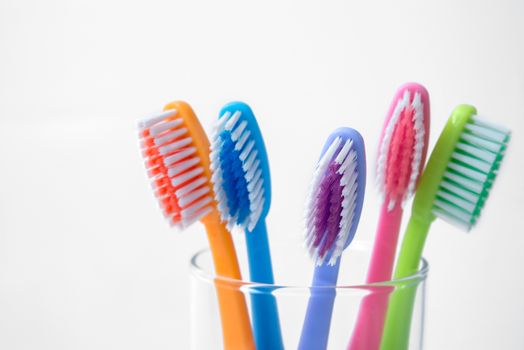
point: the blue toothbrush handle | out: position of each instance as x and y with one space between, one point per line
264 309
315 331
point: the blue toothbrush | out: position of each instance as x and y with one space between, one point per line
242 187
332 214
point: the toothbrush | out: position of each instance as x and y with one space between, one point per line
454 187
402 152
242 187
332 214
176 152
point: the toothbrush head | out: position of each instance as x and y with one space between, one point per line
240 167
176 153
336 195
403 145
461 169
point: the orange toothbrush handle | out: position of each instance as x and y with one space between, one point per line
236 327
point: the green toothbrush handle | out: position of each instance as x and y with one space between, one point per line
398 318
412 246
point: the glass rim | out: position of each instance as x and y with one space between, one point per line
210 277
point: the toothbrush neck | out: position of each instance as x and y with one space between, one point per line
421 216
326 275
385 245
213 218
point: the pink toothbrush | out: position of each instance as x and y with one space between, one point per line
402 152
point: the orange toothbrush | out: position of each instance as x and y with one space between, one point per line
176 152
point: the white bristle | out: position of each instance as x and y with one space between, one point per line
461 192
459 201
251 172
254 219
232 120
254 180
481 121
182 166
247 150
256 190
418 125
458 212
159 128
151 170
175 146
186 222
485 132
219 195
235 134
171 136
195 206
473 174
156 118
484 155
248 163
256 195
349 162
216 176
222 207
481 143
192 196
186 152
470 172
349 178
474 162
450 218
155 187
191 186
343 152
349 192
223 120
178 180
462 180
231 222
216 172
219 126
242 140
256 202
214 156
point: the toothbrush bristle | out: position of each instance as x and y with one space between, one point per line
330 208
175 170
401 152
471 172
238 179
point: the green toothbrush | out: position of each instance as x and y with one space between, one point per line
454 187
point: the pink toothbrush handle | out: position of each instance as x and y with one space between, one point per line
370 322
385 247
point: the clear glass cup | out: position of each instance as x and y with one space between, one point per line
293 272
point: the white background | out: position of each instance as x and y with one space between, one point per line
86 260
